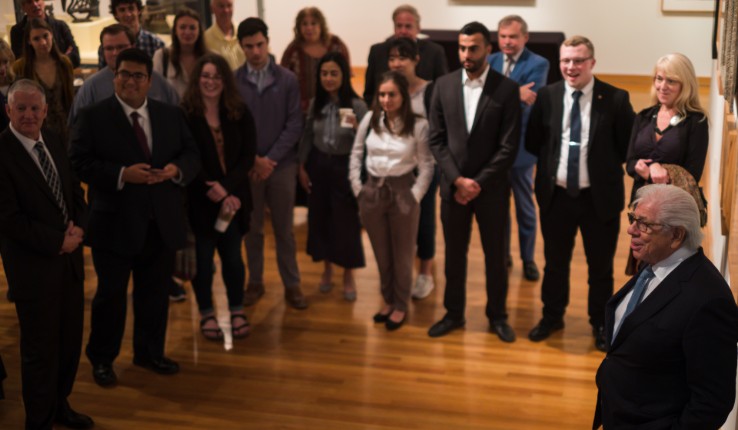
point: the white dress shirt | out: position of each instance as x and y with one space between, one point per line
661 270
585 109
472 93
29 144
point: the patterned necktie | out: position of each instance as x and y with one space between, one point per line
140 135
52 178
575 139
509 67
638 291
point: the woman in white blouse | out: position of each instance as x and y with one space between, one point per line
391 143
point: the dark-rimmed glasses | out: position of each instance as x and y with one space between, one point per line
137 76
643 226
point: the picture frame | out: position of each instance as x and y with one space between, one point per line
698 6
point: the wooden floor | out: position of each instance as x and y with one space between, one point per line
330 367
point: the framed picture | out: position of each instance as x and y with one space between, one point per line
688 5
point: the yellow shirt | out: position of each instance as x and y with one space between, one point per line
228 47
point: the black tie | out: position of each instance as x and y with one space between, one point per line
51 178
575 139
140 135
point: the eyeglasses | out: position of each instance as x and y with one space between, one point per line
126 75
574 61
217 78
115 48
643 226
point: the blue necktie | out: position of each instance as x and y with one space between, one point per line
638 291
575 139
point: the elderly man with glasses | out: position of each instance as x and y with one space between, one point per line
672 329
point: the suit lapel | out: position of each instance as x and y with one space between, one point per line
490 85
155 133
61 168
26 163
557 115
458 94
520 67
612 304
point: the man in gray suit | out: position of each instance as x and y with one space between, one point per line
474 135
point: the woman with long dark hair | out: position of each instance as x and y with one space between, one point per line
176 62
219 206
391 143
334 231
44 63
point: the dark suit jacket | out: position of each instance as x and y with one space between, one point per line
486 153
31 223
239 141
673 363
609 131
530 67
102 144
432 64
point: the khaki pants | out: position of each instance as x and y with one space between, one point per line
390 214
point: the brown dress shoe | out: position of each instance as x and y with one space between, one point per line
252 294
293 296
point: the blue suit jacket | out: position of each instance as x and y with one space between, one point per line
529 68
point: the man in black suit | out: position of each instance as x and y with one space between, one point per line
42 220
474 135
432 63
135 154
672 329
579 129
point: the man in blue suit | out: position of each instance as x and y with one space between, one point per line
530 71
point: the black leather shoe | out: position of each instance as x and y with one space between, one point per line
599 335
380 317
162 366
530 271
392 326
544 329
445 326
503 330
104 374
67 417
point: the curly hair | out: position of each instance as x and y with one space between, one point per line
230 100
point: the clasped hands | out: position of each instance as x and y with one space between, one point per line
73 237
263 168
466 190
143 173
647 169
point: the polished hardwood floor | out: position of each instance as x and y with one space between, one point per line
331 367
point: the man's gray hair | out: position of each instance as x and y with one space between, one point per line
26 86
676 208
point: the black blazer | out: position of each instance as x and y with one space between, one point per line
239 140
487 152
102 144
673 363
609 132
31 224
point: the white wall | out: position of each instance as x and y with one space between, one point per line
629 35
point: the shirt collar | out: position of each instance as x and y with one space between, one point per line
515 57
479 81
266 68
142 110
665 266
587 90
27 142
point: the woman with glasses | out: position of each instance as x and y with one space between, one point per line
44 63
219 206
391 143
176 62
334 230
672 131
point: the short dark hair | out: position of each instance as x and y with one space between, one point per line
135 55
114 29
250 27
475 27
405 47
115 3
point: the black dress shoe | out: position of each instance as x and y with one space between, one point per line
67 417
544 329
162 366
445 326
503 330
392 326
599 335
380 317
530 271
104 374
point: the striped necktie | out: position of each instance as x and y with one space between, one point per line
52 178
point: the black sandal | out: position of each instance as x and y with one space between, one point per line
215 334
240 328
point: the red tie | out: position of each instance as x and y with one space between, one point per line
140 135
